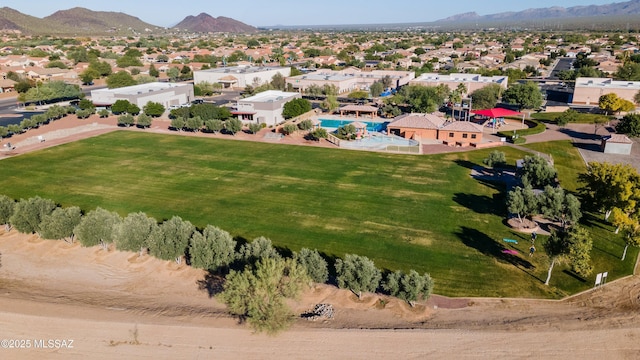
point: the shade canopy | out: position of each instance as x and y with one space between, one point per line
496 112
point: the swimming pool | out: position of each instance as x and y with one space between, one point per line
378 141
332 125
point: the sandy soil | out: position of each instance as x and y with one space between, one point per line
118 304
114 303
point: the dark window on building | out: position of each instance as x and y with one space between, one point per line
464 136
473 136
450 134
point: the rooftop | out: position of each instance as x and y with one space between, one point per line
418 121
271 96
142 88
606 83
459 77
242 69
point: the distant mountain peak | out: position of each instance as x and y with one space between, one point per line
631 7
206 23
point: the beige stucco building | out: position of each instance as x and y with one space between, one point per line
349 79
167 94
240 76
472 82
265 107
588 90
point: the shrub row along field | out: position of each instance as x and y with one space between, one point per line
404 212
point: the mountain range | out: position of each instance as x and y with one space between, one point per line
81 21
556 12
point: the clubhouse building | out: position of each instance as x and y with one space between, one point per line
167 94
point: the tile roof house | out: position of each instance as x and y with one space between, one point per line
460 133
416 126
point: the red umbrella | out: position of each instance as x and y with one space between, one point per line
496 112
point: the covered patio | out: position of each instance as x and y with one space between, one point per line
359 109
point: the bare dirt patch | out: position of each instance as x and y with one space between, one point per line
119 304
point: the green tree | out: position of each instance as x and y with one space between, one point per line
97 228
132 234
526 96
144 121
318 134
120 79
104 113
314 264
610 103
258 248
170 240
289 129
133 109
259 293
357 273
537 172
126 120
88 76
495 159
422 99
154 109
376 89
173 74
607 186
120 106
278 82
522 202
153 71
408 287
61 223
28 214
629 223
566 117
254 128
296 107
213 125
330 103
207 111
178 123
556 204
7 205
630 125
630 71
305 125
212 249
233 126
193 124
101 68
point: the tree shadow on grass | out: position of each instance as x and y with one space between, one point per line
575 276
486 245
481 204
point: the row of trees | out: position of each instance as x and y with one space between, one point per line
259 278
54 112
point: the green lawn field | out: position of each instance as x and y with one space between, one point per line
404 212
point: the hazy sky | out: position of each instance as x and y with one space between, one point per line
293 12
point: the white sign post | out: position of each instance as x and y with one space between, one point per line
598 280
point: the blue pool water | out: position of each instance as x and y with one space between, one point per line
378 141
332 125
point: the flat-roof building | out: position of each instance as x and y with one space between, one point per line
588 90
240 76
472 82
167 94
349 79
265 107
